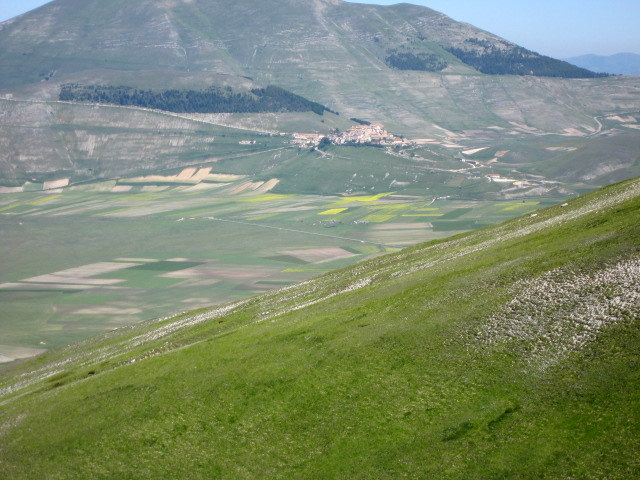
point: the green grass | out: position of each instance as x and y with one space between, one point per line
402 375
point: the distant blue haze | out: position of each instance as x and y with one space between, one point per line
619 64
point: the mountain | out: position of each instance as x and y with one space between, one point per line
413 69
262 39
509 352
618 64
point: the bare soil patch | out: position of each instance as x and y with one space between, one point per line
268 185
201 174
402 226
203 186
319 255
137 260
240 188
93 269
574 132
63 182
561 149
618 118
11 189
81 275
187 173
107 311
73 280
9 353
41 286
474 151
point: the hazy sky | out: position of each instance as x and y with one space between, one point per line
560 28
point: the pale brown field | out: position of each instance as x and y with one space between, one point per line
474 151
573 132
319 255
201 174
221 273
137 260
618 118
42 286
204 186
240 188
9 353
11 189
403 226
268 185
81 275
187 173
54 184
72 280
561 149
98 310
93 269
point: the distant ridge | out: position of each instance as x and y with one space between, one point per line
618 64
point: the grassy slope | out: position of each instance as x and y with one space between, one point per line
401 366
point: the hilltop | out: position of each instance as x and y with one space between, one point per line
511 351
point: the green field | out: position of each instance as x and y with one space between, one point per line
508 352
173 248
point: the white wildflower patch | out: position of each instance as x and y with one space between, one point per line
561 312
187 322
14 422
364 282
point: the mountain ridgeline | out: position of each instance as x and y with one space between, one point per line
211 100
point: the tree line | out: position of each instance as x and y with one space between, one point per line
210 100
517 61
426 62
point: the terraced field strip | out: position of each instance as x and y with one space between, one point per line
333 211
319 255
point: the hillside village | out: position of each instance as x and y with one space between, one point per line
372 134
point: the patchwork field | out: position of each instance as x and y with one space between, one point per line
78 258
95 257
